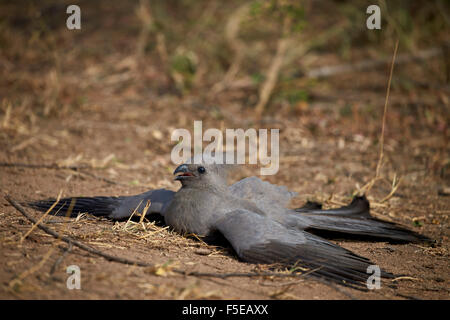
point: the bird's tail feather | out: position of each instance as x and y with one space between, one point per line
355 219
98 206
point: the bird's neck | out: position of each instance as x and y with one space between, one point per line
210 189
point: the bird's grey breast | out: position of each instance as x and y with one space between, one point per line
194 211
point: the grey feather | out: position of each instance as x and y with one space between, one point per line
259 239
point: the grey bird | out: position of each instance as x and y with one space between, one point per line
253 217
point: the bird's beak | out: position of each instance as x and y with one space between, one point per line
183 171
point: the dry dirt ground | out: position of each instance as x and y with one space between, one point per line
112 120
322 168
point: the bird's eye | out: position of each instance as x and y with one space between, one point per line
201 170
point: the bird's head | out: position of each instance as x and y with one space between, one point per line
202 173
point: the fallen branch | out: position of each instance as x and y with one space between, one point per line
329 71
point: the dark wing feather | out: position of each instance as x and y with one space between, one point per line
111 207
257 239
355 219
98 206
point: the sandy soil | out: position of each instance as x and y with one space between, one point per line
316 171
103 110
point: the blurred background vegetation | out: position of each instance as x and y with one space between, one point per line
209 48
269 59
105 100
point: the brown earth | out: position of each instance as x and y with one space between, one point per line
111 118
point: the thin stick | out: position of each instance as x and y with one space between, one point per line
42 166
100 178
32 270
404 278
385 110
383 125
61 258
328 71
394 189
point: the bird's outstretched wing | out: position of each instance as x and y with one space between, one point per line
353 219
258 239
111 207
347 221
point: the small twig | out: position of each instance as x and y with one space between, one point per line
144 212
42 166
100 178
32 270
394 189
328 71
41 218
61 258
383 125
132 214
337 288
409 297
404 278
7 118
385 111
59 167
